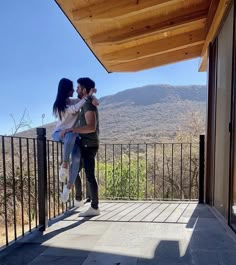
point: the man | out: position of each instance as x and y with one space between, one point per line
88 128
78 185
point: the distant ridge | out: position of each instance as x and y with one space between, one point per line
144 114
152 94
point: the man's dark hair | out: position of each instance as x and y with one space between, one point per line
86 83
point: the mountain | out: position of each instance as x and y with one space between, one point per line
146 114
152 94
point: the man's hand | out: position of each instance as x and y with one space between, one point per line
62 133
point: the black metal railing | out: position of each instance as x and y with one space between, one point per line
54 187
18 187
30 187
156 171
50 155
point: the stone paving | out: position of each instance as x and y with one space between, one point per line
131 233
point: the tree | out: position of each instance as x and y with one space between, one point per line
24 122
193 125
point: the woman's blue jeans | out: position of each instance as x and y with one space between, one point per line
71 147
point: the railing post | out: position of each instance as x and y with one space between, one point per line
201 168
42 178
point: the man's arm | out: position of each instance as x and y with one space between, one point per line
91 122
90 126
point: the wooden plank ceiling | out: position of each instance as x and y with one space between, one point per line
133 35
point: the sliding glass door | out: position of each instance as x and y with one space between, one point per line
223 114
233 140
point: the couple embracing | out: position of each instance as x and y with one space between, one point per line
78 129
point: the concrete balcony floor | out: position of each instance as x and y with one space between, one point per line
131 233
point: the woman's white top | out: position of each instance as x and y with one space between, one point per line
69 117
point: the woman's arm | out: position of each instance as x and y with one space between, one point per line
72 109
73 101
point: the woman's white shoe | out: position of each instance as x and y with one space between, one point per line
63 174
65 194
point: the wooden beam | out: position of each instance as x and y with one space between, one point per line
147 28
203 62
213 29
157 47
158 60
117 8
211 13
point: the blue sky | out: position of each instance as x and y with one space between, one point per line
39 46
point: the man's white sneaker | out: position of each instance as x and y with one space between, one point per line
63 174
78 203
65 194
90 212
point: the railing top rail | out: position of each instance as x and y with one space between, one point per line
107 143
18 137
149 143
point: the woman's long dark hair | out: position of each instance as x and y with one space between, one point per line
64 87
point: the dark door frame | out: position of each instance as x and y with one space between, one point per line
211 122
232 126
